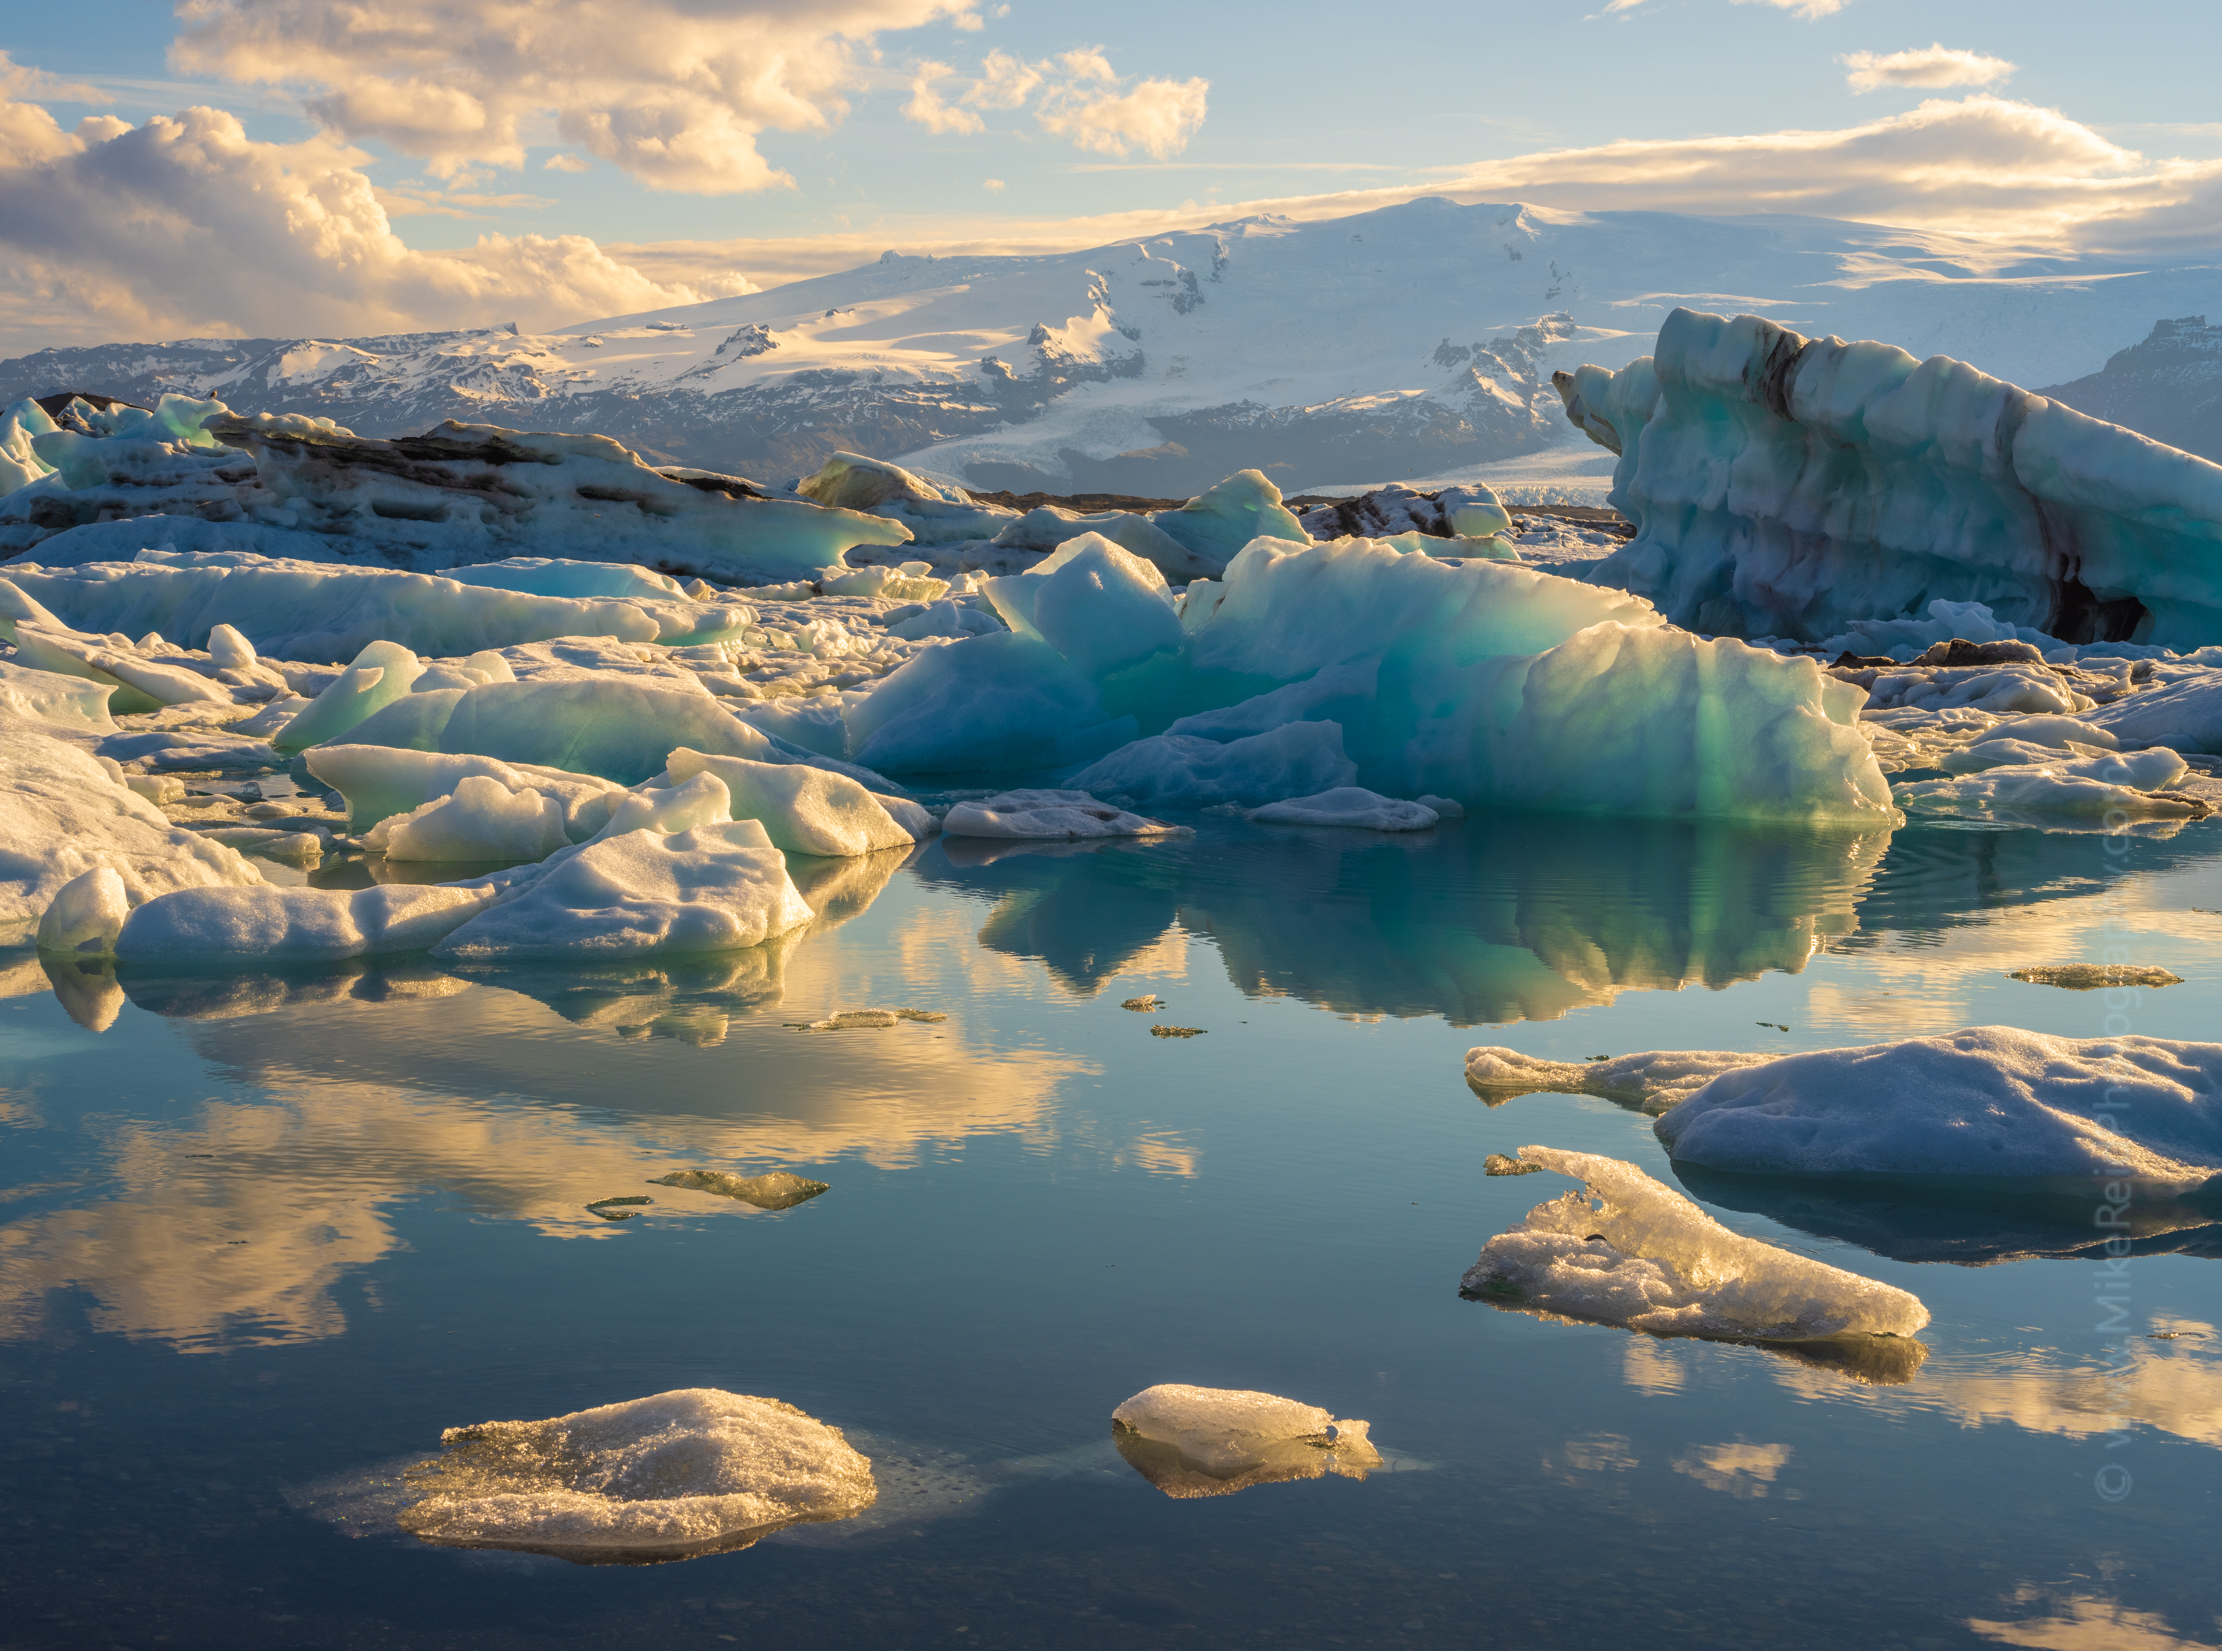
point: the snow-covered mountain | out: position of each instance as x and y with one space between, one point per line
1404 342
2169 387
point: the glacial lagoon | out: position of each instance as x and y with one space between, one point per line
267 1234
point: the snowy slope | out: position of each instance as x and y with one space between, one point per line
2167 386
1416 340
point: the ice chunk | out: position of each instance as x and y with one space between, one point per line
63 814
1650 1082
613 729
1000 701
136 682
313 610
1097 605
1048 814
2057 789
1626 1250
73 702
214 927
1186 771
1947 621
803 810
86 915
1222 519
381 674
1349 805
2186 715
481 819
682 1473
717 886
1214 1441
1988 1105
778 1190
1048 526
380 781
934 515
1786 486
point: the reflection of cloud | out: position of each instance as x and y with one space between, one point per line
237 1225
1161 1152
2174 1386
2084 1623
1594 1453
1739 1469
1651 1366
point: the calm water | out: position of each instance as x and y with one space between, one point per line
263 1238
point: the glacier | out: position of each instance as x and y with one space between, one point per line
1795 487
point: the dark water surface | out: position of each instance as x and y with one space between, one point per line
263 1238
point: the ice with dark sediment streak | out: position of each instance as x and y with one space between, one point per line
693 1471
776 1190
1213 1441
1629 1251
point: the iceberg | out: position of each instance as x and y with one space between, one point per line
379 782
63 813
195 474
1651 1082
299 610
1627 1250
689 1472
934 515
1048 815
2185 715
481 819
804 810
208 928
1992 1106
1794 487
1478 681
1213 1441
1351 806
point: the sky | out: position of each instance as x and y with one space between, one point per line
268 167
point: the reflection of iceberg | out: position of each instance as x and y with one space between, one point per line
674 1476
1961 1225
1939 876
1503 918
1212 1441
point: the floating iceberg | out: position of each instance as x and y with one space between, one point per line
1626 1250
1355 664
1049 815
213 927
1651 1082
195 475
380 782
1991 1106
1350 806
805 810
778 1190
1214 1441
1786 486
683 1473
63 814
934 515
318 611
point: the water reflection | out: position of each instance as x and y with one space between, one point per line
1269 1462
1972 1227
1512 917
2086 1622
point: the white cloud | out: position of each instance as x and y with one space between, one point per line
994 186
185 225
1929 66
566 163
1077 95
1807 9
673 91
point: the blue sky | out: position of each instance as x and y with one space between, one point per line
1134 112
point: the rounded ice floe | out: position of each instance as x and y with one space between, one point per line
1989 1105
1049 814
688 1472
717 886
1212 1441
2124 783
72 702
211 927
481 819
803 810
2186 715
1349 805
86 915
1626 1250
380 781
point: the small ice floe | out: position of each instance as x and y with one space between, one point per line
1177 1031
2089 977
1214 1441
850 1020
678 1474
1049 814
1650 1082
617 1209
1991 1105
1144 1005
2092 784
1627 1250
778 1190
1349 805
